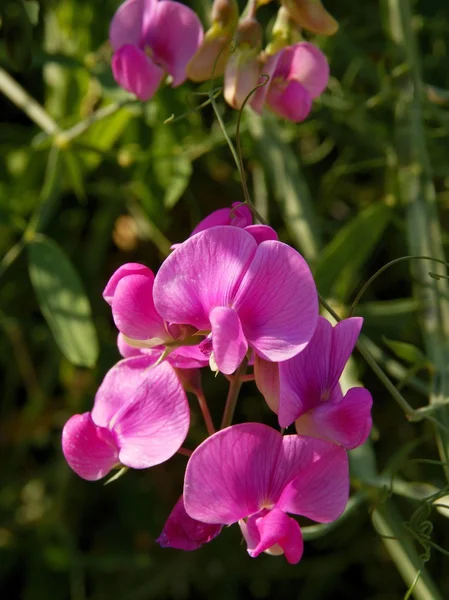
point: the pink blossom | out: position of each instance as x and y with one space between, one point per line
253 475
140 419
129 292
247 295
308 391
239 215
184 533
298 74
151 38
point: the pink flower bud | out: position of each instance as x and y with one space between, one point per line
243 68
311 15
212 56
300 74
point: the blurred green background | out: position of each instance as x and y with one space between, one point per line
123 188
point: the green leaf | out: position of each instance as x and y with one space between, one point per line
338 269
63 302
288 184
407 352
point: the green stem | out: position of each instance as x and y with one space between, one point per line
233 394
388 523
65 137
27 103
417 193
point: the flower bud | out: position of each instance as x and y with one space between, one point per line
243 68
211 57
311 15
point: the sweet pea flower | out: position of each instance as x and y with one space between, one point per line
151 38
298 74
140 419
184 533
309 392
241 294
239 215
252 475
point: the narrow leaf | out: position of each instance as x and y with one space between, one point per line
63 302
406 352
338 269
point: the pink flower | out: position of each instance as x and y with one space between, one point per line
251 474
184 533
309 392
129 292
298 74
247 295
140 419
239 215
151 38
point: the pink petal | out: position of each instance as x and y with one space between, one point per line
320 492
268 68
347 423
289 99
184 533
266 375
239 216
228 477
126 24
229 343
188 357
152 426
277 302
344 338
310 377
309 67
201 274
125 349
174 33
135 72
278 530
118 388
120 273
90 451
262 233
130 294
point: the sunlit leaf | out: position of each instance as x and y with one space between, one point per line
337 271
63 302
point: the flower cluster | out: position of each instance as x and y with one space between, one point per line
230 297
152 39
